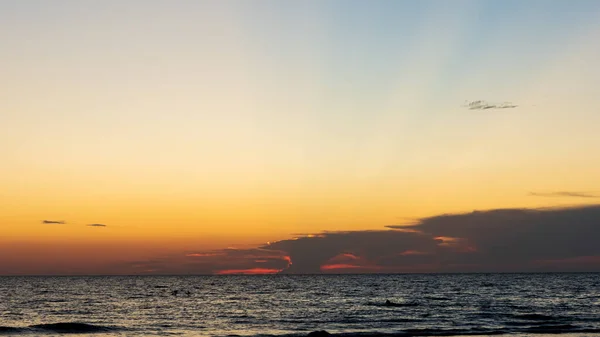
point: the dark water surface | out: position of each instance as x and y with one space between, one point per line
427 305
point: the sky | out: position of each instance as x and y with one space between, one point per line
204 136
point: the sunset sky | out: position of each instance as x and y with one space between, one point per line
201 130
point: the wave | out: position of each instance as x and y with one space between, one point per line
394 304
555 329
9 330
536 317
487 284
85 328
56 300
542 329
560 328
72 327
521 319
61 328
438 298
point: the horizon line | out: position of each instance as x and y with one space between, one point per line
307 274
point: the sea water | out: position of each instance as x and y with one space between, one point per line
294 305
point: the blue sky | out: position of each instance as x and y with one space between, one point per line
300 116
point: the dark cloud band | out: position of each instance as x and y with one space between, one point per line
501 240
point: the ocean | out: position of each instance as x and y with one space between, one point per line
294 305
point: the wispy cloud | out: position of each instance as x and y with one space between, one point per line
53 222
571 194
484 105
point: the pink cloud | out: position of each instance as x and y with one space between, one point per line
353 267
251 271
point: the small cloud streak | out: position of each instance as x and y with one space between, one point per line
405 230
349 262
446 241
413 252
97 225
204 254
570 194
483 105
53 222
308 235
345 257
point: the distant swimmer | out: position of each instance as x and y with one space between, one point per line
389 303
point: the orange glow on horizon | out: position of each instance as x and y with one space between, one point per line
339 266
251 271
345 266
